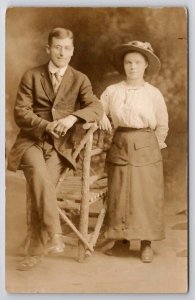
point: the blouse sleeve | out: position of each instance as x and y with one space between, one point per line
162 119
105 101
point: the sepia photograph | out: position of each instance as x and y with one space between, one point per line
96 150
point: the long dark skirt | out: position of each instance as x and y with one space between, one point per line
135 187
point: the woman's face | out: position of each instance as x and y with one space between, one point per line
134 65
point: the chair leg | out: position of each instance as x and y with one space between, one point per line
84 214
97 229
80 236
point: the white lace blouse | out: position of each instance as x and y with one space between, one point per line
137 107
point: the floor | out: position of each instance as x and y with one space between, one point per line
123 273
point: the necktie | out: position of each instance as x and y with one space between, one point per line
57 81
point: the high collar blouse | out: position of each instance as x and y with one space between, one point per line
137 107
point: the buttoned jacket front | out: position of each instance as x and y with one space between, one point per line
37 104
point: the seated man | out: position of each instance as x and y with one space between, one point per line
51 98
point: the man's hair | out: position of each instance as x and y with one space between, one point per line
59 33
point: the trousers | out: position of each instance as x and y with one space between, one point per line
42 167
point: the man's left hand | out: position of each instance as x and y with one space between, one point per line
64 124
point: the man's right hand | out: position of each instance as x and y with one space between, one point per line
50 128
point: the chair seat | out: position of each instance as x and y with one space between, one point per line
71 190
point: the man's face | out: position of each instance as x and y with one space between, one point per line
60 51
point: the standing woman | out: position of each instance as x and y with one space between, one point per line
135 169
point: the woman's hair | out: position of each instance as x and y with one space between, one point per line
59 33
133 51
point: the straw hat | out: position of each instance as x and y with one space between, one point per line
137 46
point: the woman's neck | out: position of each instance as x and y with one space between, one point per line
135 82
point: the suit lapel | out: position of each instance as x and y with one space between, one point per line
65 84
47 84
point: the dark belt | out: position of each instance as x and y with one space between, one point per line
133 129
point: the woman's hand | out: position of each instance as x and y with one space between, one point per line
105 124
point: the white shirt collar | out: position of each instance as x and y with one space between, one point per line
53 69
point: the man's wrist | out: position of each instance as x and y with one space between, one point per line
47 127
50 126
75 118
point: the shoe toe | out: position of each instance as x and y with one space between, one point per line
56 249
29 263
147 255
57 246
109 252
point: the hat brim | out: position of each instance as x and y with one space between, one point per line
153 61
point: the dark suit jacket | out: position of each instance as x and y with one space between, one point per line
36 105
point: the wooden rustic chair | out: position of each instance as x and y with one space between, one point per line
81 192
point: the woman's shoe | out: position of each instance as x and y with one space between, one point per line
109 252
116 248
29 262
146 252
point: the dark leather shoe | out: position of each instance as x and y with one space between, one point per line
29 262
146 252
57 246
118 248
109 252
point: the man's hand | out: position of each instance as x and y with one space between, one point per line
50 128
64 124
105 124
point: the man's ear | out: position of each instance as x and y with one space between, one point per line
72 51
47 49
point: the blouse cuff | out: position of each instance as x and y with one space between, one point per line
162 145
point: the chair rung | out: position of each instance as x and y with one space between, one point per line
100 184
97 196
75 182
96 151
93 214
76 197
70 180
70 240
65 203
69 195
